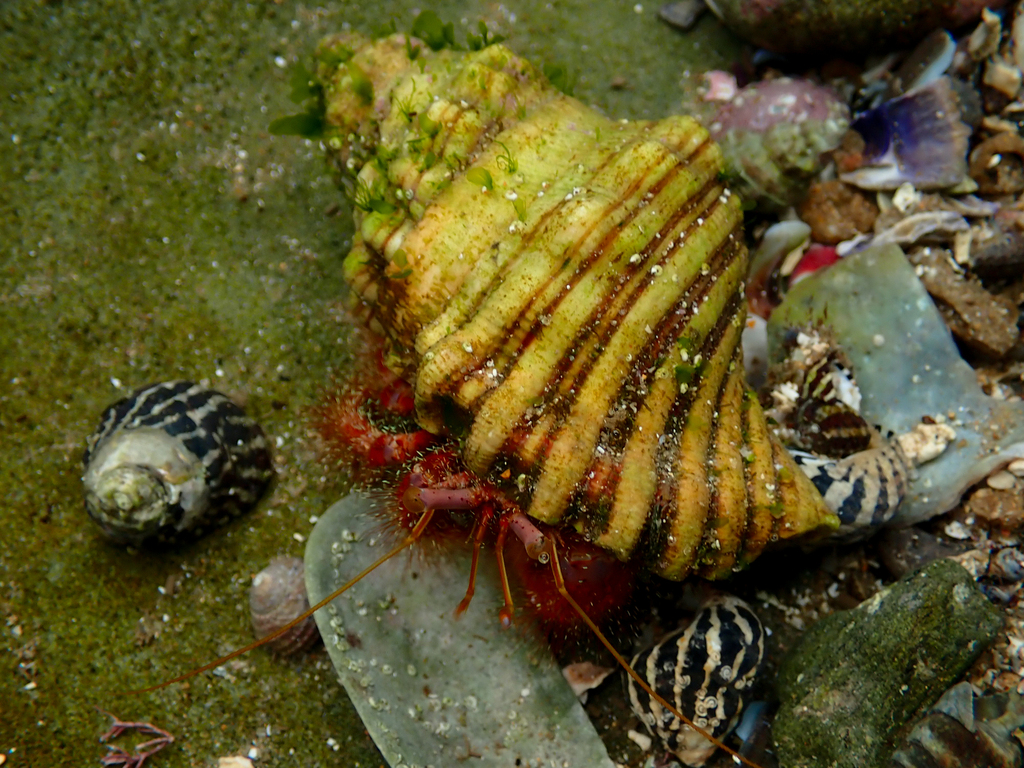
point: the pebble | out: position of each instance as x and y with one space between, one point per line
838 26
1000 253
836 211
856 677
1001 480
996 507
984 322
683 14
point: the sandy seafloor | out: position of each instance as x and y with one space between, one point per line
151 229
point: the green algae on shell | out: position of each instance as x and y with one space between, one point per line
564 292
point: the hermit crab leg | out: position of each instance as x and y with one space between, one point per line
534 540
505 614
479 532
556 571
410 539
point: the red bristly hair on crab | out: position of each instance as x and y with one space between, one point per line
365 441
370 428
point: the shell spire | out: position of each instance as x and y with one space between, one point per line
565 293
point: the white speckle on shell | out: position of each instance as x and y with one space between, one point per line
278 596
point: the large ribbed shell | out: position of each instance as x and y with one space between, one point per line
573 315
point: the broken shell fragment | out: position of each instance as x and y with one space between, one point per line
917 138
392 634
925 64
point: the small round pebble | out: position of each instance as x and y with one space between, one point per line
836 211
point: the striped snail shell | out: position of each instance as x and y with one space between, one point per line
705 670
564 292
861 476
172 458
276 597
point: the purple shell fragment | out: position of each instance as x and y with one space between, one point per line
917 138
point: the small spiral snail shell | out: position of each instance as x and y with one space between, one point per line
172 458
276 597
704 669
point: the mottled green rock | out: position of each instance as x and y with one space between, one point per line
858 676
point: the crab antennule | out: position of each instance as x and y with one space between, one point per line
413 536
556 571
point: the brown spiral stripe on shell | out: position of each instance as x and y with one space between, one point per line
278 596
565 293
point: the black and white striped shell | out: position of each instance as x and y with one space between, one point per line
565 294
861 476
278 596
171 459
705 670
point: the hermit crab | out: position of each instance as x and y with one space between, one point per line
562 295
563 292
560 301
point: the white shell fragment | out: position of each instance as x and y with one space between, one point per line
432 689
925 442
584 676
916 374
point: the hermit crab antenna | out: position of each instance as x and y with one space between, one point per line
556 570
411 538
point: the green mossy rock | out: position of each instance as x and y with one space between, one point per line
858 676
